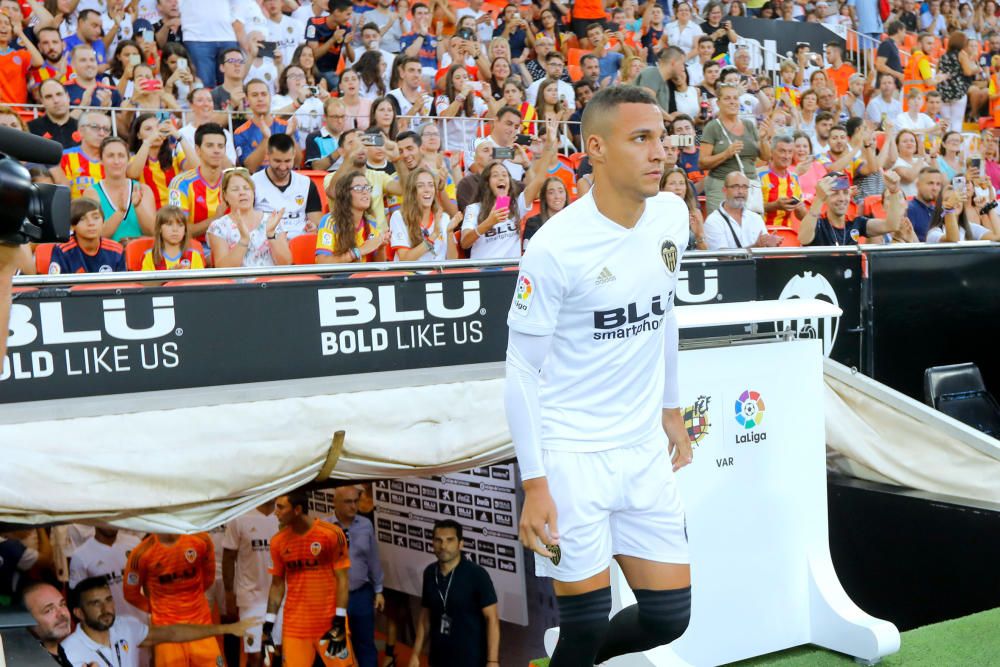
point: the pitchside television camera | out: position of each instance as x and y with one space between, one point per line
30 212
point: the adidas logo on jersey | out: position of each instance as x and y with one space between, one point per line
605 277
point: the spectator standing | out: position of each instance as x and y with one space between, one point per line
721 31
392 24
246 237
780 186
683 32
159 152
484 19
15 63
420 230
208 32
328 38
172 248
57 123
197 191
732 224
730 143
251 137
838 72
117 639
659 79
365 575
834 229
907 16
932 20
282 29
310 563
167 28
868 19
458 616
919 73
297 100
960 70
105 555
278 187
246 565
920 210
349 232
887 60
126 204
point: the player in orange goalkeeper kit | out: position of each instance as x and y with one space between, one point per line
310 563
167 576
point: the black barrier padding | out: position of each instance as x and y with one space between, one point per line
932 308
910 558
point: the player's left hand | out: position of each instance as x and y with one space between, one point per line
680 443
335 639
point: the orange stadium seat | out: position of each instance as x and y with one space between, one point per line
43 257
789 237
872 206
574 56
317 176
135 250
303 249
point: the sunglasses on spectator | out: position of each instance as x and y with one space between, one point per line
361 188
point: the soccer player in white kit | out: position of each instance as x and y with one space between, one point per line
591 392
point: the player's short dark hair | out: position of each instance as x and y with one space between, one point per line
371 26
207 129
339 5
705 38
256 82
823 116
841 127
836 45
280 143
555 55
73 600
299 498
595 26
346 134
409 134
448 523
81 207
670 53
588 56
85 14
894 27
607 100
226 52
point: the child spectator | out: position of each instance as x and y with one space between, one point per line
172 246
87 251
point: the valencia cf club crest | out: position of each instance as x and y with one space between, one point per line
696 420
190 555
315 548
668 252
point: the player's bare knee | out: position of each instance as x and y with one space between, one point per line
665 613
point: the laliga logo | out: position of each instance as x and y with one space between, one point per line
351 306
52 328
811 285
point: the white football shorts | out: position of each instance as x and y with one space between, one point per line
620 501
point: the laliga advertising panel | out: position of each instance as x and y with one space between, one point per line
755 499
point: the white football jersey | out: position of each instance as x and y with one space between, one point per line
601 291
503 240
269 197
250 537
94 559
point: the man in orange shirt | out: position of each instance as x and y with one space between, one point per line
167 576
839 73
310 571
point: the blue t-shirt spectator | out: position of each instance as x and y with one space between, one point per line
70 258
518 40
74 39
610 63
247 137
428 49
920 215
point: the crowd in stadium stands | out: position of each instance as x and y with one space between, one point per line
277 576
301 131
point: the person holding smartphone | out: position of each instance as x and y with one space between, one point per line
780 187
834 228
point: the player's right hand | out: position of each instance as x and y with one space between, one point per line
538 528
267 644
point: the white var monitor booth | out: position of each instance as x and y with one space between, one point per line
756 499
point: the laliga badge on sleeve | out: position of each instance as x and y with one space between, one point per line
522 294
